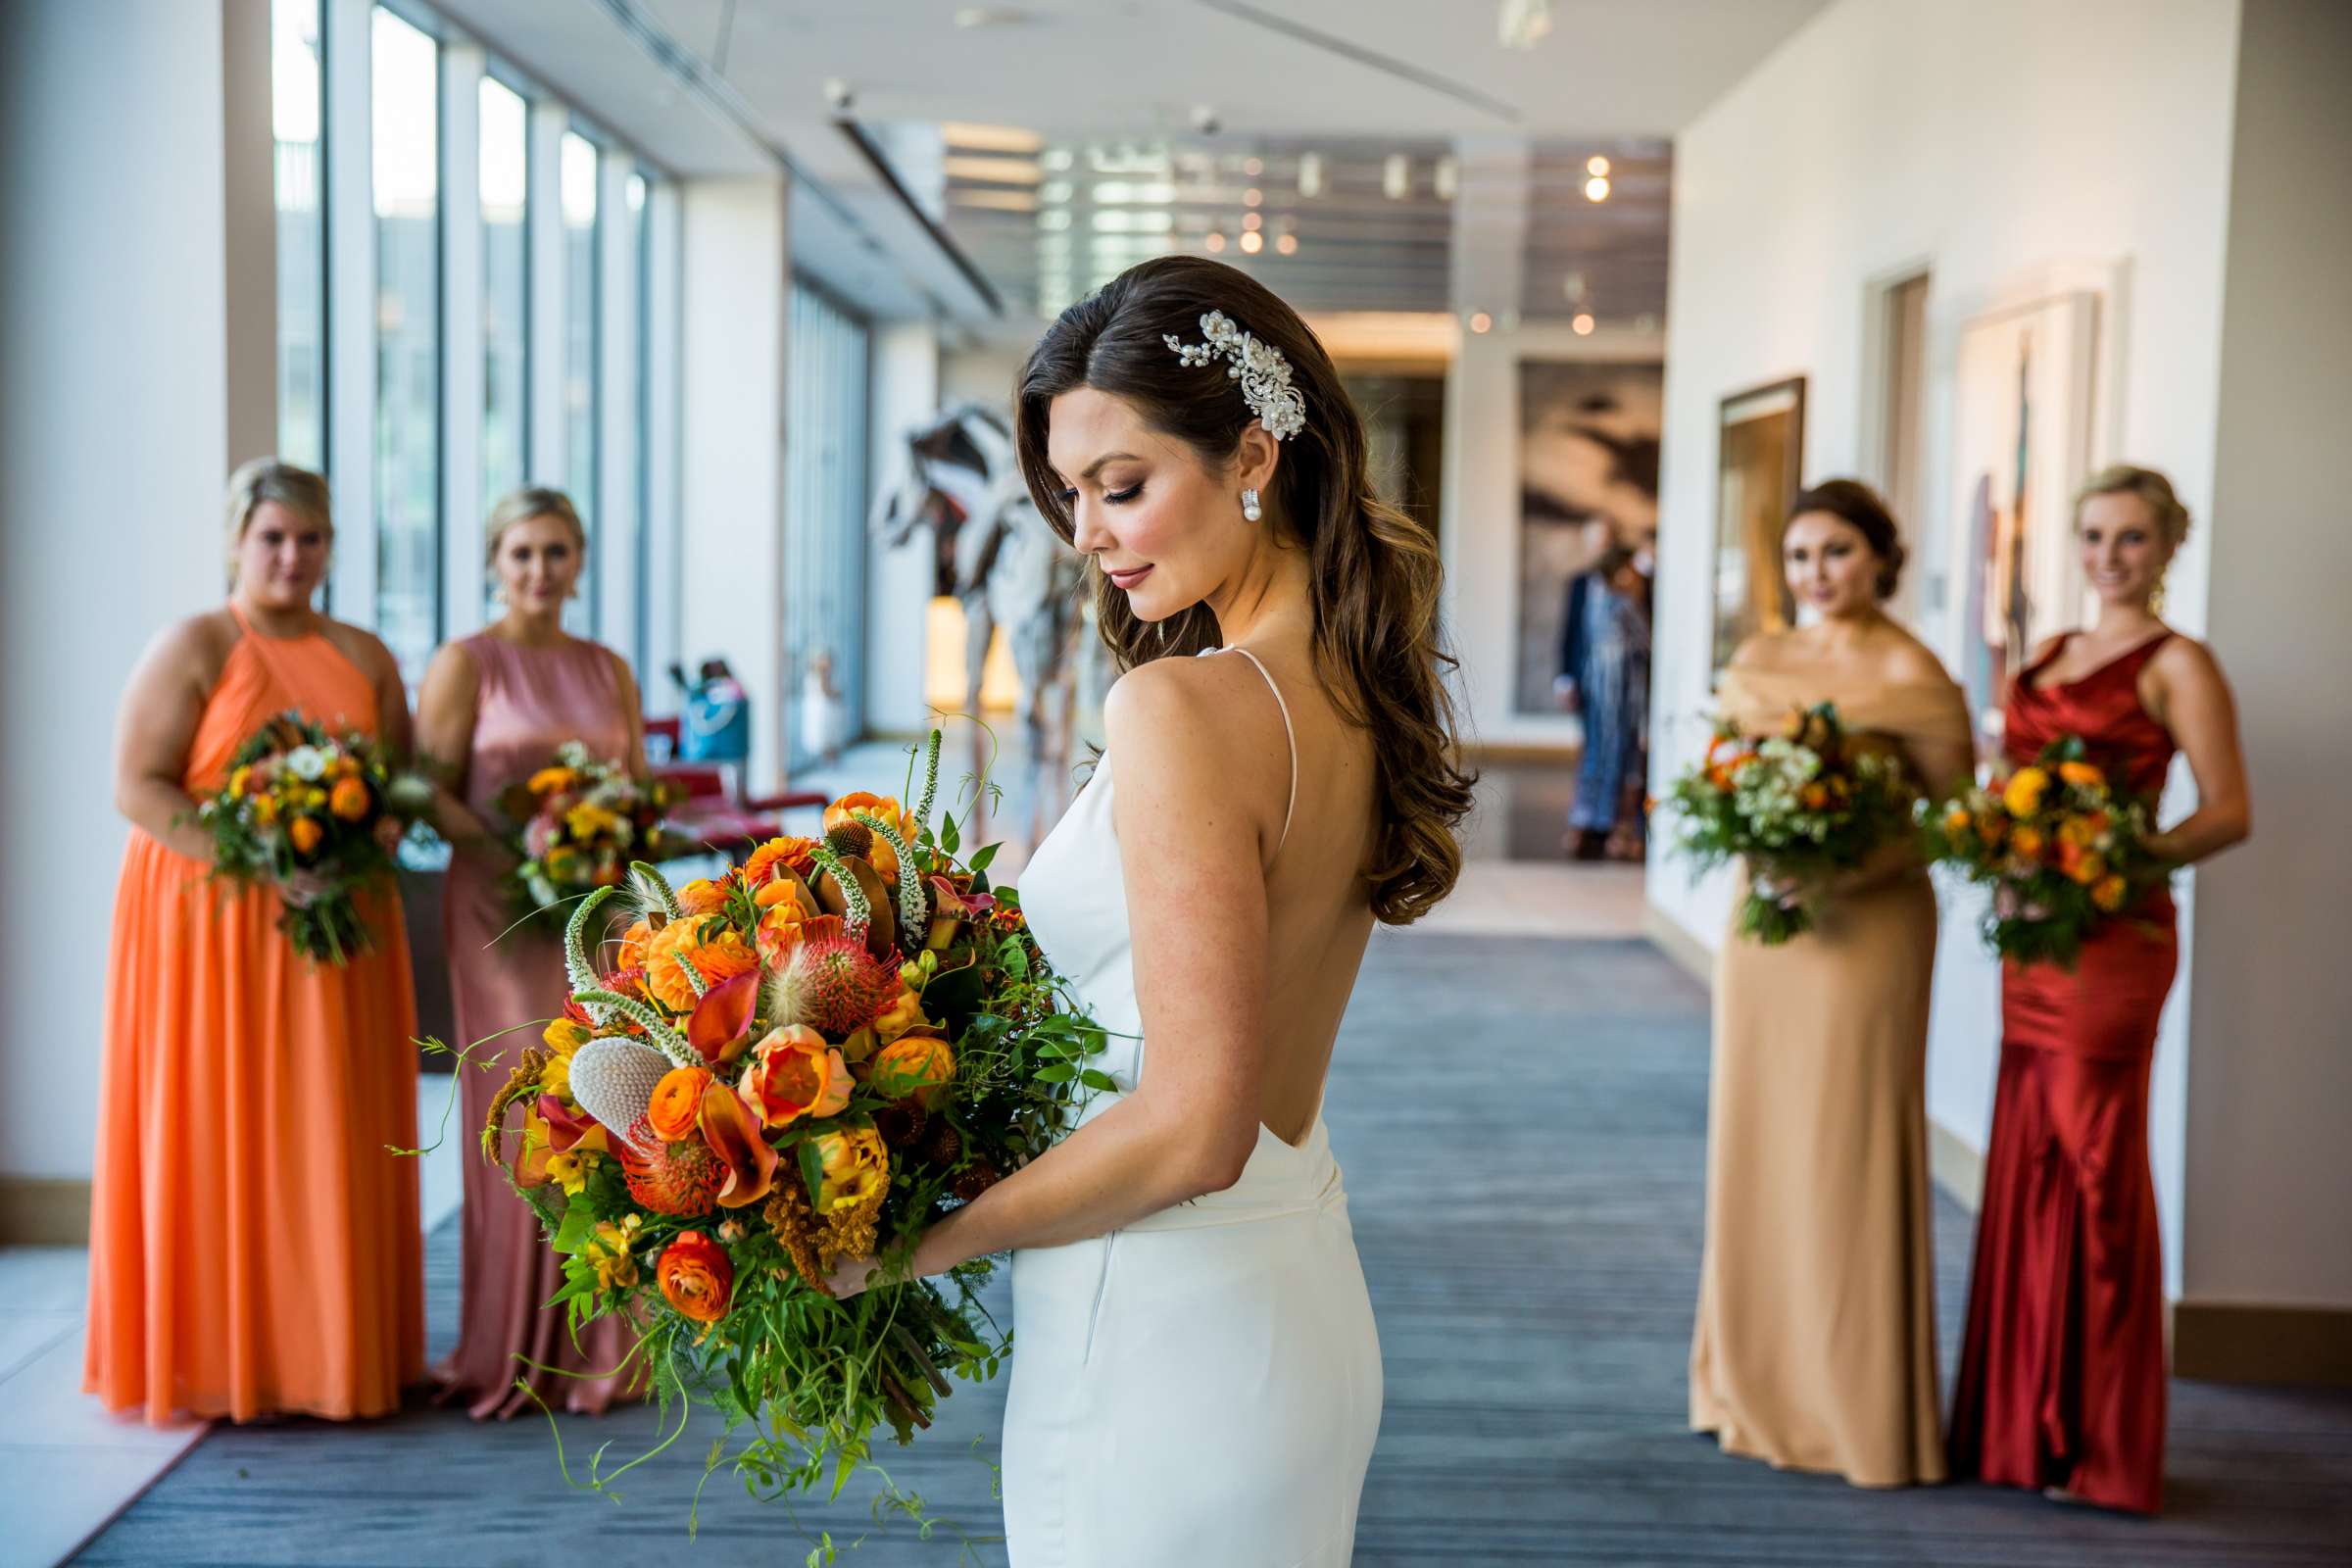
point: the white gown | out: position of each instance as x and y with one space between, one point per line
1202 1386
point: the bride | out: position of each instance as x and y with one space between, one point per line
1197 1377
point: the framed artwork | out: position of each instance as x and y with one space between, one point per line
1760 457
2022 392
1588 479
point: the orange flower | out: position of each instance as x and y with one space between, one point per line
306 833
349 799
2109 894
697 1278
2028 843
795 1073
795 853
1815 796
553 780
2081 775
264 809
722 955
1991 828
858 804
677 1102
1957 821
633 945
702 895
2024 790
730 1133
779 927
915 1065
2077 832
786 890
2088 870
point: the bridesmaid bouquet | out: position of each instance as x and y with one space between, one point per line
812 1058
1801 806
583 819
300 800
2063 851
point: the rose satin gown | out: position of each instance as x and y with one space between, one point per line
1814 1346
2062 1372
1202 1386
253 1244
531 701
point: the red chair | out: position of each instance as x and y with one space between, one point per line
711 812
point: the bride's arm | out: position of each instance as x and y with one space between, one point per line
1192 850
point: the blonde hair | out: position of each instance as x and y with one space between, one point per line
2152 488
269 479
522 506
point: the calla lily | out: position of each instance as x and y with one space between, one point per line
733 1134
949 909
569 1130
720 1027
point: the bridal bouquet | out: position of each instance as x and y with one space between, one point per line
1800 806
812 1058
583 819
301 799
2063 851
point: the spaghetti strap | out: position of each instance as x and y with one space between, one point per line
1290 737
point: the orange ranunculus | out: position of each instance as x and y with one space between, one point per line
795 853
2024 790
677 1102
779 929
781 889
553 781
859 804
721 956
349 799
2027 842
305 832
697 1279
2082 774
1957 821
730 1133
856 1167
795 1073
900 1017
633 944
2086 869
702 895
913 1064
2109 894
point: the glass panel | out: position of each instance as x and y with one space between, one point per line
505 289
405 121
826 545
625 511
578 177
294 104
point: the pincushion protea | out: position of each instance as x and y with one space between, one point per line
680 1179
828 981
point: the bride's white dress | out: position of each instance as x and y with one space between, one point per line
1202 1386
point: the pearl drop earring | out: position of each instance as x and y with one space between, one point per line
1250 510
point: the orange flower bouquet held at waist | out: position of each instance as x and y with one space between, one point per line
1800 807
578 823
2062 850
304 808
802 1060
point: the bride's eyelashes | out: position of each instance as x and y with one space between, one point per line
1114 498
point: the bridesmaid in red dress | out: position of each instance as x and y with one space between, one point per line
2062 1370
494 708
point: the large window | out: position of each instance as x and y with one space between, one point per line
624 509
579 174
505 289
825 498
295 123
404 116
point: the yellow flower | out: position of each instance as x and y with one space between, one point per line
2081 775
607 1251
2109 894
2022 795
2077 831
556 1076
569 1171
900 1016
564 1036
238 782
264 809
587 820
1956 820
553 780
856 1167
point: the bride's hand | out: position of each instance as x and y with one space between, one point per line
851 1275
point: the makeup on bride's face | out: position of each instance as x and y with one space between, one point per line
1135 500
1830 566
2124 551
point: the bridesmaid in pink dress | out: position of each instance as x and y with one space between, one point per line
494 708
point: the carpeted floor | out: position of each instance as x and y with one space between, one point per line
1522 1124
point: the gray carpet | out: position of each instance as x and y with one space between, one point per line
1522 1125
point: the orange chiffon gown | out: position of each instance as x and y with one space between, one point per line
254 1243
2062 1373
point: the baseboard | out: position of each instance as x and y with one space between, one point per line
1690 954
45 1211
1955 1167
2237 1342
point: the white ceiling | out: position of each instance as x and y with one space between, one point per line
1275 72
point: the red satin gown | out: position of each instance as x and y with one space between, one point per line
2062 1369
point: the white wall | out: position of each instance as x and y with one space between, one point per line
118 402
1989 140
2270 1166
736 280
1478 512
899 583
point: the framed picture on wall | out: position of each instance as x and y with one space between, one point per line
1760 447
2022 400
1588 480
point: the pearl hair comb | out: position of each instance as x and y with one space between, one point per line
1264 374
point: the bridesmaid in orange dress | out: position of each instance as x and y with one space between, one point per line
254 1247
494 708
2062 1372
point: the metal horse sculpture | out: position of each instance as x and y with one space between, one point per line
995 553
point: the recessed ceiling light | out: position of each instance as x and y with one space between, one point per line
1287 244
1582 325
1596 165
1252 221
1253 166
1252 242
1596 189
1215 242
1253 196
1481 321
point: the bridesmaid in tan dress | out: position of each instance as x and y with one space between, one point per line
1815 1345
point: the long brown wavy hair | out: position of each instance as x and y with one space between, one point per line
1378 646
